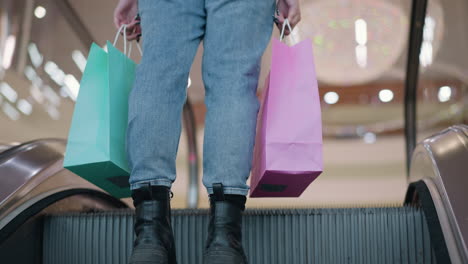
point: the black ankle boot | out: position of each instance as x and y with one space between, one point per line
154 241
224 243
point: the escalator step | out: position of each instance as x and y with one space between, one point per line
367 235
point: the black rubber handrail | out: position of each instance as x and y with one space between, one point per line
42 204
418 16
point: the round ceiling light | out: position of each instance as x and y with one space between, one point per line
331 98
354 41
386 95
445 92
432 34
40 12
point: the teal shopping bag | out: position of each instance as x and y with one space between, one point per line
96 141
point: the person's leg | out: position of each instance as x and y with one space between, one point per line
172 31
236 35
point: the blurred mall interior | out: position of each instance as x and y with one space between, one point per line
364 54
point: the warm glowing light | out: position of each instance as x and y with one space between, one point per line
331 98
8 92
361 55
9 50
30 73
10 111
360 27
73 86
35 55
53 112
24 106
386 95
370 138
445 92
79 59
426 55
51 95
36 94
55 73
40 12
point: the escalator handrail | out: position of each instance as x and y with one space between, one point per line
28 145
41 203
418 15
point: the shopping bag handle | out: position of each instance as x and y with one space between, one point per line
286 23
123 28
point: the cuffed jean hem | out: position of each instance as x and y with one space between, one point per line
230 190
158 182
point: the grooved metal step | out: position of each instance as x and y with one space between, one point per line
370 235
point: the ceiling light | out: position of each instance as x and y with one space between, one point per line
73 86
445 92
360 27
361 55
51 95
40 12
370 138
9 50
10 111
24 106
360 130
55 73
30 73
8 92
386 95
79 59
36 94
340 26
35 55
53 112
429 27
425 57
64 92
331 98
50 67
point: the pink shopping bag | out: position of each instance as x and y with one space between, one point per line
288 148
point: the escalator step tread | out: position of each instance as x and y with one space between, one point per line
357 235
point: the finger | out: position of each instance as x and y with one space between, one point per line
132 26
280 18
134 30
118 22
295 20
134 36
135 33
294 15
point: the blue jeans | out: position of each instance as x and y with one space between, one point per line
235 34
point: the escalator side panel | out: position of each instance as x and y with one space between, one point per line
441 163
